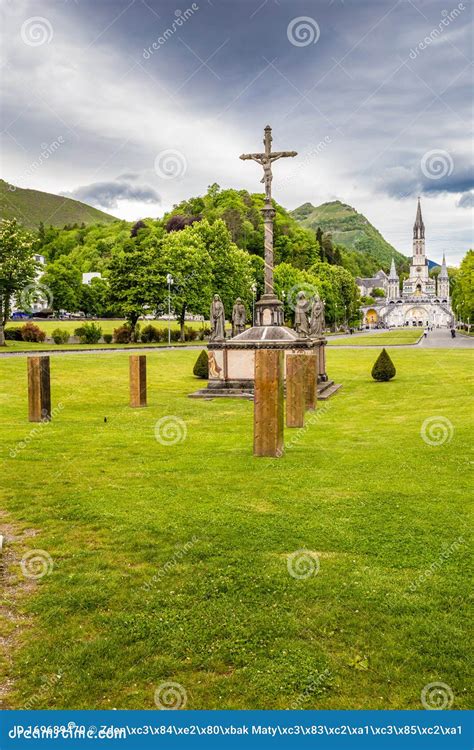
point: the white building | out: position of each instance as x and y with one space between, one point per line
87 277
422 301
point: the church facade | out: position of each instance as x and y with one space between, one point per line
421 301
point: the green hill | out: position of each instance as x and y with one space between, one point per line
348 228
30 207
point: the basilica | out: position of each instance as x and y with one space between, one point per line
422 301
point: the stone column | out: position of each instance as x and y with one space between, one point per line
311 380
137 380
268 216
39 389
295 390
268 403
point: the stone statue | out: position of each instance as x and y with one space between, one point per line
317 323
239 317
301 315
217 320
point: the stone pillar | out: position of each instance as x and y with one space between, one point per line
322 375
268 215
295 389
39 389
268 403
311 380
137 380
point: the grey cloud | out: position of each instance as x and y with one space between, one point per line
436 173
466 200
107 194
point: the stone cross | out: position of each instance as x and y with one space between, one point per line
265 160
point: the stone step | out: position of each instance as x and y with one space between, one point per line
328 392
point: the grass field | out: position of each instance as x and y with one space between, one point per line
397 337
170 561
108 325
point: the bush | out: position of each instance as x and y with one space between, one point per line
383 369
150 334
204 333
107 338
190 334
201 368
175 334
31 332
13 334
89 333
60 336
122 335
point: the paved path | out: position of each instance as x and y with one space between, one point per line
441 338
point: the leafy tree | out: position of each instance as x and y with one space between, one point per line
94 298
377 292
134 282
463 291
63 279
17 266
184 256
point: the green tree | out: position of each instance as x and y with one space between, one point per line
184 256
17 266
63 279
135 284
463 292
94 298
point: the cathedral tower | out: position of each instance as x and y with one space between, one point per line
443 281
393 282
419 258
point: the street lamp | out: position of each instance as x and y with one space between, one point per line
169 281
254 292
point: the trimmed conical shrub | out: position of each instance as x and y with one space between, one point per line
383 369
201 368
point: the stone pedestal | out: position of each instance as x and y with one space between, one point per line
311 380
39 389
137 380
295 389
268 403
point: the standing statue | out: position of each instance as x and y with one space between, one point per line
301 315
317 323
217 320
239 317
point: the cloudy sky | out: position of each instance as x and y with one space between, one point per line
133 105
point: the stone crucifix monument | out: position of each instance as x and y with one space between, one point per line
232 361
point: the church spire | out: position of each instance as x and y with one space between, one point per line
418 227
443 274
393 271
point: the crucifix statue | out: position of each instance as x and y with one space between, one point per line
266 159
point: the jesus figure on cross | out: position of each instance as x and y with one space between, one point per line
266 159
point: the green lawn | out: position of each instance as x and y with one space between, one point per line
47 346
397 337
170 561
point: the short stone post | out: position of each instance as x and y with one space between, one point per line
311 380
39 389
268 403
295 390
137 380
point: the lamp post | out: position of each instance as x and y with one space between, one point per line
169 281
254 292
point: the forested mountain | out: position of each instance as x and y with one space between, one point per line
30 207
349 228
